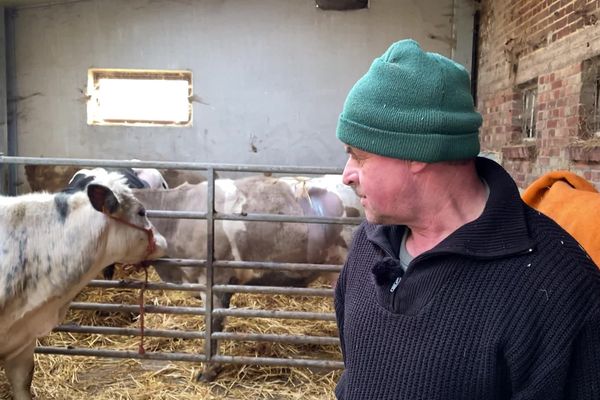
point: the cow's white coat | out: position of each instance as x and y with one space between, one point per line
51 245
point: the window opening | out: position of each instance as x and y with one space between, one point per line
139 97
528 116
595 123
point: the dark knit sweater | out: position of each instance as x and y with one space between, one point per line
506 307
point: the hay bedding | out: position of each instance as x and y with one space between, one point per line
65 377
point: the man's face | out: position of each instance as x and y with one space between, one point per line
385 186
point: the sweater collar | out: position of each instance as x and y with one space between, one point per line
500 231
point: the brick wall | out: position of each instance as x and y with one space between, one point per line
544 44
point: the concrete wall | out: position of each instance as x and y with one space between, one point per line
546 44
274 73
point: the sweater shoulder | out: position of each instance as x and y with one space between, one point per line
551 238
561 262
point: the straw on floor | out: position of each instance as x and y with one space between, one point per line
65 378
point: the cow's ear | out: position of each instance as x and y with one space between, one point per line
102 198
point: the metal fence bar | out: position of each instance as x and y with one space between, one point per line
253 217
273 290
169 164
176 214
287 218
305 315
277 266
108 330
170 333
231 312
131 284
294 291
292 339
328 364
280 362
209 346
134 308
70 351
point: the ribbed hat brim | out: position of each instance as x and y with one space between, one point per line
425 147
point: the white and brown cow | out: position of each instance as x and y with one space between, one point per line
51 246
250 240
54 178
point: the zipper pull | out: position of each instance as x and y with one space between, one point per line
395 284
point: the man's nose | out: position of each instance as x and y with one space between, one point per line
350 175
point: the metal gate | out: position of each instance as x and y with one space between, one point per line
210 337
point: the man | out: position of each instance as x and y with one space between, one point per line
453 289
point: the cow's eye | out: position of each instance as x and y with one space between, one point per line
142 212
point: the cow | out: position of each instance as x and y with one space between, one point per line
56 178
51 246
177 177
152 177
135 178
331 183
249 240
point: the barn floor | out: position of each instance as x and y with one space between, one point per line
66 378
62 378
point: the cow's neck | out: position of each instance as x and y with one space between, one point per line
64 254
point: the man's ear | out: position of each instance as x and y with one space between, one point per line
102 198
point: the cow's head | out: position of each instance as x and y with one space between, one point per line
132 236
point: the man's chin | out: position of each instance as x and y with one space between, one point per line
372 218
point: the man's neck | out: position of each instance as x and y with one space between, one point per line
448 209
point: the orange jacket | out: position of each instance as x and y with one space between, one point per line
571 201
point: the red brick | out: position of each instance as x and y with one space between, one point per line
577 25
557 94
559 24
573 17
569 8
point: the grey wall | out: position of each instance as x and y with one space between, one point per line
274 73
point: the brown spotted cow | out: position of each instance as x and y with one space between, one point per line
51 246
250 240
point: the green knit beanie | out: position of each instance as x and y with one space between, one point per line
412 105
